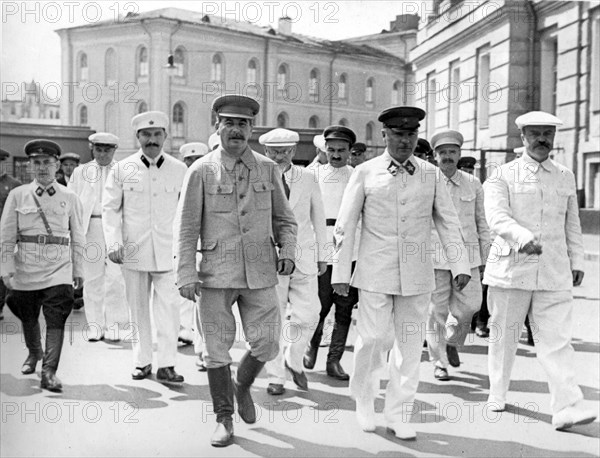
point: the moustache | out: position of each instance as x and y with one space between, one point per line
152 144
447 161
543 144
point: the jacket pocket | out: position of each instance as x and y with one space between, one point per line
220 198
262 195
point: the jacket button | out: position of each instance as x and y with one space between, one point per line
242 196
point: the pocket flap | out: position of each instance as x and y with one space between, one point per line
171 188
134 187
263 187
467 198
207 245
220 189
27 210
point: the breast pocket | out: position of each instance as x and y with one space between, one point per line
220 198
467 204
562 199
262 195
27 217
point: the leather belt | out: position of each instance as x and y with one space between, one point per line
95 216
330 221
44 239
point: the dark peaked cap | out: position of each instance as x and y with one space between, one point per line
236 106
41 147
401 117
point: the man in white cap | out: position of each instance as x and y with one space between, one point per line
533 264
191 152
320 150
233 201
301 289
446 333
139 205
214 141
104 292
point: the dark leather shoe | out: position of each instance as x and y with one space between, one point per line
310 357
299 378
51 382
452 354
223 435
482 331
30 364
168 375
441 373
335 370
245 402
275 389
140 373
200 363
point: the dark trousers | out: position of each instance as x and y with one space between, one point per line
3 291
55 301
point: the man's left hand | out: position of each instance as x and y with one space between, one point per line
285 266
461 280
577 277
77 282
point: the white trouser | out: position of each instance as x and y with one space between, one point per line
443 329
190 319
550 314
386 321
302 293
104 288
165 309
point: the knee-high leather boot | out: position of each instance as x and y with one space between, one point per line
54 343
336 350
247 371
310 354
33 341
221 392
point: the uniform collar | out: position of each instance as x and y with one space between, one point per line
229 161
454 179
158 161
547 165
388 157
36 184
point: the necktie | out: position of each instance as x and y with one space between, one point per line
39 191
286 188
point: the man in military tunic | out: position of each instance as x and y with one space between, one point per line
42 240
233 200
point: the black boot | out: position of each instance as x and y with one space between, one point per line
33 341
249 368
54 343
310 354
336 350
221 391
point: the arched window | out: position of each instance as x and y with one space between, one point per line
342 87
313 84
343 122
216 70
179 61
110 117
142 61
396 94
282 120
110 67
142 107
83 115
83 67
313 122
282 78
369 134
178 121
369 90
252 72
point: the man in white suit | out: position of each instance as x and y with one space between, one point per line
140 199
104 292
301 289
398 197
533 264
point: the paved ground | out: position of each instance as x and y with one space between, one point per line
102 412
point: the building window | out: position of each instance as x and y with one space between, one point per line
216 70
595 62
431 96
178 127
454 95
313 84
396 94
252 72
143 66
110 117
343 122
483 87
142 107
83 115
179 61
369 134
282 120
342 87
313 122
282 78
369 90
83 67
110 67
548 83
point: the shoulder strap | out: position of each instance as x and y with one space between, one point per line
43 215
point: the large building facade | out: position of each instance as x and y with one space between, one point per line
479 65
118 69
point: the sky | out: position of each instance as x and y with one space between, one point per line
31 48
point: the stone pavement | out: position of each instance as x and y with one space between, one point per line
102 412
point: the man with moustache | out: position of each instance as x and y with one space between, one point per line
233 201
357 154
42 238
536 259
398 197
104 293
445 332
299 290
139 202
333 178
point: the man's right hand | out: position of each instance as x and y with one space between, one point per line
117 256
341 289
7 280
191 291
532 247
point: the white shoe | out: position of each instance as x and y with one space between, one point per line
495 404
112 335
185 336
365 415
403 431
575 414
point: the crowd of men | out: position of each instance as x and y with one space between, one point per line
170 246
